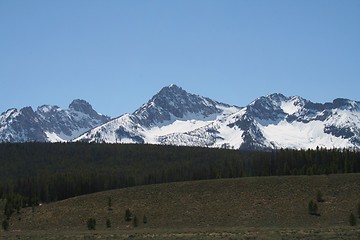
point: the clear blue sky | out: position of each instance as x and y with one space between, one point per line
117 54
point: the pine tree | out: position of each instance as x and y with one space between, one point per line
135 221
5 225
319 196
358 209
109 204
91 223
145 219
128 215
313 208
108 223
352 220
8 211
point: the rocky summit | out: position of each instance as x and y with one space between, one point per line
49 123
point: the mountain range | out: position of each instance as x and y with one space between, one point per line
49 123
176 117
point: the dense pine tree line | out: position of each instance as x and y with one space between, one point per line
45 172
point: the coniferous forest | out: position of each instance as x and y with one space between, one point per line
31 173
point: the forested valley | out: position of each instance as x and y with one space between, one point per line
32 173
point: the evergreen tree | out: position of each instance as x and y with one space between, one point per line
358 209
144 219
128 215
8 211
352 219
91 224
135 221
313 208
319 196
109 204
5 225
108 223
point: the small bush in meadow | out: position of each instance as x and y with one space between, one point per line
91 224
352 220
313 208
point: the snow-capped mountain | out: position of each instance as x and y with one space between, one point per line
176 117
49 123
171 111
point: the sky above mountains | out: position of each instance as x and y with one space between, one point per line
118 54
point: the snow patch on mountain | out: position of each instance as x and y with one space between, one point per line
301 135
292 106
53 137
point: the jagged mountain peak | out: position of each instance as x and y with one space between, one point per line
47 109
276 99
26 109
172 95
277 103
81 106
343 103
10 111
172 88
49 122
174 102
27 112
84 107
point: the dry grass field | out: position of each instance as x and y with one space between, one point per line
244 208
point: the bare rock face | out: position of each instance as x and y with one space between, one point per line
49 123
173 101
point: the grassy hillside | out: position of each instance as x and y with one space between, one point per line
263 207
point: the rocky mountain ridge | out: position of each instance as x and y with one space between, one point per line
49 123
176 117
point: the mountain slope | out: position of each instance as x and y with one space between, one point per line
20 126
171 111
204 207
293 122
49 123
176 117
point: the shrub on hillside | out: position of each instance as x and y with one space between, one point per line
5 225
352 219
358 209
135 222
319 197
108 223
313 208
109 204
145 219
91 224
8 211
128 215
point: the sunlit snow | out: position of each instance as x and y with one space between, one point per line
302 135
289 107
53 137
